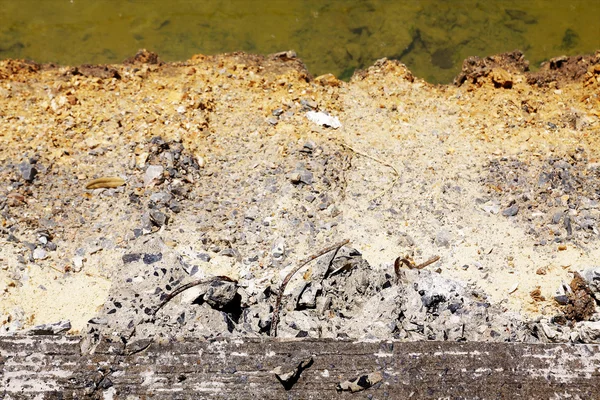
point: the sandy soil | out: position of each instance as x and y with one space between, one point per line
415 169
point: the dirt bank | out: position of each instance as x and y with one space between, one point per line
497 175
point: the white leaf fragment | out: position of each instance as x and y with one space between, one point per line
323 119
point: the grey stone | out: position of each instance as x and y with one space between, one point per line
310 198
229 252
28 171
308 297
567 224
301 175
208 322
175 206
147 223
589 332
151 258
161 198
132 257
308 147
203 256
511 211
562 294
272 121
557 217
158 218
220 293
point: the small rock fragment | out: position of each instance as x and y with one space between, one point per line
153 175
220 294
562 294
203 257
161 197
511 211
557 217
361 383
39 253
290 377
28 171
78 263
301 176
152 258
50 329
278 249
129 258
502 78
158 218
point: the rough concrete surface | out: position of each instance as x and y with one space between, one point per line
248 368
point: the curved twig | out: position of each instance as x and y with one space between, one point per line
275 318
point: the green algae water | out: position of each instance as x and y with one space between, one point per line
430 37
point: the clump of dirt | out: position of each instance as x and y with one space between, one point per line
143 56
562 70
498 67
582 303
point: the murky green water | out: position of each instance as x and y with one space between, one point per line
337 36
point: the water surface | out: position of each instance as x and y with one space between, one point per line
338 36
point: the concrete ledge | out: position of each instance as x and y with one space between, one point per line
53 367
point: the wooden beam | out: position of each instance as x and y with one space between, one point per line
53 367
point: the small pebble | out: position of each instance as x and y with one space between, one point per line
158 218
204 257
229 252
153 174
511 211
28 171
39 254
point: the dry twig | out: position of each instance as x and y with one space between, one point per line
411 264
275 318
187 286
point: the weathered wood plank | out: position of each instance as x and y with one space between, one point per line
53 367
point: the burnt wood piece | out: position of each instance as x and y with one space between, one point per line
53 367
